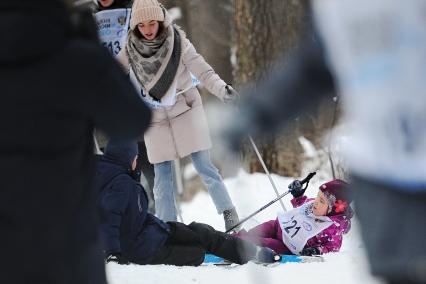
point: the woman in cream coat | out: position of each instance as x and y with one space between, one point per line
160 61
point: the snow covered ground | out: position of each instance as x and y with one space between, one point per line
250 192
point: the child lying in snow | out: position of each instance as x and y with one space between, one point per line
313 227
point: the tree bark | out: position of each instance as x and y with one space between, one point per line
208 24
265 33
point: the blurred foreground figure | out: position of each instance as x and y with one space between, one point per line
113 4
377 56
51 100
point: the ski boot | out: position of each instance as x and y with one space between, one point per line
266 255
231 219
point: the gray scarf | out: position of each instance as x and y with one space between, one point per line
155 62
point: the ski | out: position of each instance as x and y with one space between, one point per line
211 259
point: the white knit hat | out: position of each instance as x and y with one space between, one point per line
146 10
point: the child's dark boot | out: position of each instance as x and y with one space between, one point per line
267 255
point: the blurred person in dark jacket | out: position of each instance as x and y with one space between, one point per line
113 4
374 55
51 100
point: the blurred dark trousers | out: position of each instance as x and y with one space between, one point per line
393 228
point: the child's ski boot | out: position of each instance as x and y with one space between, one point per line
267 255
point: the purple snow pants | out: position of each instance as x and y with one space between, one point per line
267 234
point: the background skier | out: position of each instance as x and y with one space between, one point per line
113 20
113 4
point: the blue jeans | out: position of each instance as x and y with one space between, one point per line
164 197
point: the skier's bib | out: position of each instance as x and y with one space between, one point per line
299 225
168 100
112 27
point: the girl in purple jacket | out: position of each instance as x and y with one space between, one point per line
313 227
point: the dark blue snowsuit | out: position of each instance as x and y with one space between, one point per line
126 226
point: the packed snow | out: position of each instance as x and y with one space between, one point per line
249 192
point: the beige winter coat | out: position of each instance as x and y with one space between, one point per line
182 129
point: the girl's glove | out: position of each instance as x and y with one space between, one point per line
310 251
296 188
231 96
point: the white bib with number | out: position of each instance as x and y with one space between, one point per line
166 101
299 225
112 28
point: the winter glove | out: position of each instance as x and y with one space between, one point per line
310 251
231 96
296 188
117 258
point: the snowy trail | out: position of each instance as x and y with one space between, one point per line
249 193
339 268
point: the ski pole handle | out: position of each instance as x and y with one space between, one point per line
308 178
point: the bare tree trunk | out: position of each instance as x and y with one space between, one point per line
183 6
211 33
266 31
208 26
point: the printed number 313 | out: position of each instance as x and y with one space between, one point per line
114 47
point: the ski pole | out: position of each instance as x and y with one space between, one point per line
256 150
178 187
305 180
